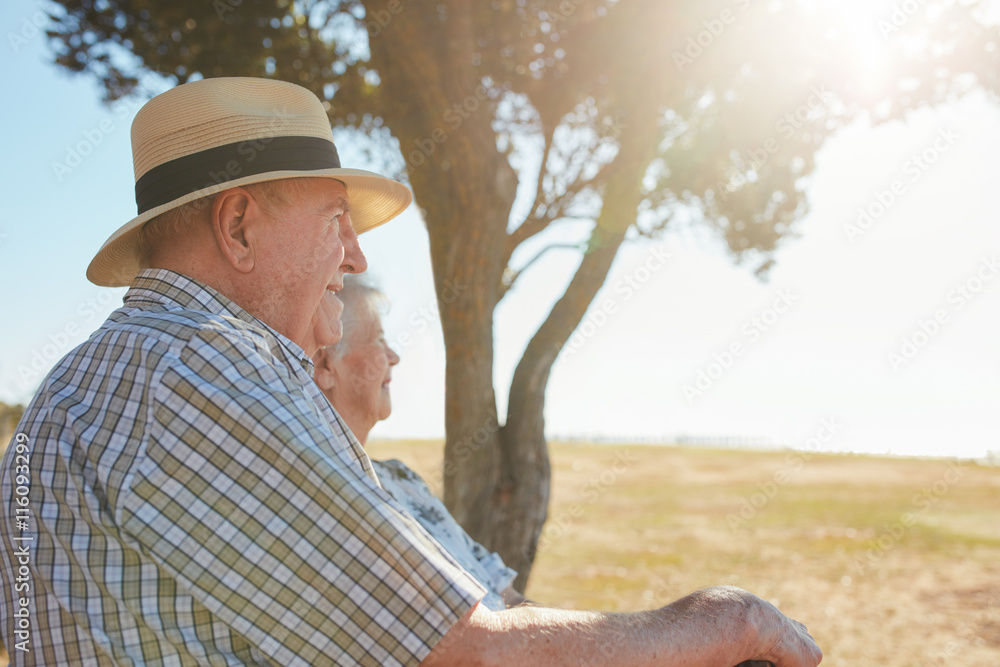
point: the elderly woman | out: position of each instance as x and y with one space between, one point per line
355 374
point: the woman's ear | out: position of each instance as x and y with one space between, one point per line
323 373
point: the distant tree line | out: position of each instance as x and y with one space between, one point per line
10 415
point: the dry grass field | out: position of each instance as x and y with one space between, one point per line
890 562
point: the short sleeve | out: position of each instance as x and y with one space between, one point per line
240 496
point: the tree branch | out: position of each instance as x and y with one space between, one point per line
543 168
510 276
555 209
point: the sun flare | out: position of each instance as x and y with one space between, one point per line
864 23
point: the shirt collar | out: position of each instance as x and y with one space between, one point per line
162 288
170 289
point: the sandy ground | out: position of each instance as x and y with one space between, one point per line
890 562
636 527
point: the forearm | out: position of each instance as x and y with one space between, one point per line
706 628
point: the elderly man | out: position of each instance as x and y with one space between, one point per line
179 492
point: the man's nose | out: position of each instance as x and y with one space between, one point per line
354 256
354 259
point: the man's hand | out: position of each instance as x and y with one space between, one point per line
710 627
785 640
767 637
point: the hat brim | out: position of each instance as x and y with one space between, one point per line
374 199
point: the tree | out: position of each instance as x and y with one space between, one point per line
636 116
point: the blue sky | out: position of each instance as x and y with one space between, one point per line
885 325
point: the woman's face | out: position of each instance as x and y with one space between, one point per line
363 372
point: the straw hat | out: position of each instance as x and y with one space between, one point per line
206 136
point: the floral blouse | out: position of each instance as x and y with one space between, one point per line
410 491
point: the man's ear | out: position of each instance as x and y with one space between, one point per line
230 211
323 373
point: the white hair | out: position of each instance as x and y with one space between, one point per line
271 195
359 294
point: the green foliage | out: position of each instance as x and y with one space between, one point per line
117 42
728 81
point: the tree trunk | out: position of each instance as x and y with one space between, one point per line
521 500
496 477
465 188
520 503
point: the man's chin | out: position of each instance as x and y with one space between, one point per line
330 337
331 304
327 326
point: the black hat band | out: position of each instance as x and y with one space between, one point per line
175 179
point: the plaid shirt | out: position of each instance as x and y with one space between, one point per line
193 499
